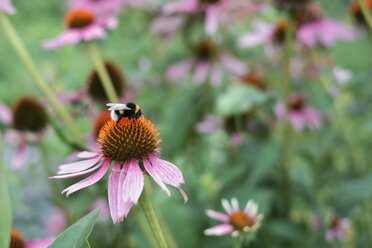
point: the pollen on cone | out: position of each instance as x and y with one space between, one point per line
129 139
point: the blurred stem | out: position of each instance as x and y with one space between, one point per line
149 212
18 45
238 242
366 13
145 229
347 129
56 195
287 131
102 72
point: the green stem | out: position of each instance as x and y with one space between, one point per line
145 229
18 45
152 220
286 130
366 12
102 72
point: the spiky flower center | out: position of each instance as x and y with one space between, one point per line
209 1
296 102
129 139
253 79
16 239
335 220
29 115
79 18
94 83
206 50
241 220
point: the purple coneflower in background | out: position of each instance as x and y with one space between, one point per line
27 121
208 61
82 25
106 8
337 228
236 221
6 6
299 114
132 147
215 10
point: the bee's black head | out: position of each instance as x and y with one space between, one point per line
131 105
135 109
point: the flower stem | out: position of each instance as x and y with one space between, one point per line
18 45
102 72
152 220
287 131
366 12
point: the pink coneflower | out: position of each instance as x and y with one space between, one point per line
337 228
6 6
299 114
132 147
17 241
235 221
215 10
82 25
28 119
99 7
208 61
325 32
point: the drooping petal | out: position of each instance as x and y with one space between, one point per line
298 120
168 172
80 173
133 183
19 158
211 19
217 215
113 190
155 176
179 70
219 230
89 180
69 37
78 166
233 64
201 72
251 208
5 114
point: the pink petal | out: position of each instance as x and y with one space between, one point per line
168 172
298 120
179 70
86 154
78 166
226 206
113 188
123 207
216 74
19 159
233 64
5 114
7 7
211 21
201 72
313 117
251 208
39 243
234 204
133 183
217 215
219 230
80 173
93 32
89 180
261 35
280 110
69 37
183 6
155 176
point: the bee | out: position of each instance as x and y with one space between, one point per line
123 110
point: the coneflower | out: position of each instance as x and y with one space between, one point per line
131 146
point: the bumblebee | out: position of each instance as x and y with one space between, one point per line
123 110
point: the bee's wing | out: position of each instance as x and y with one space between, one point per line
116 106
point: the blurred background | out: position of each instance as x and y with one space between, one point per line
308 170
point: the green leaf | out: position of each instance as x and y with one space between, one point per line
77 234
239 99
5 208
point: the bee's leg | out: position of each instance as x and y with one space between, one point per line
117 122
